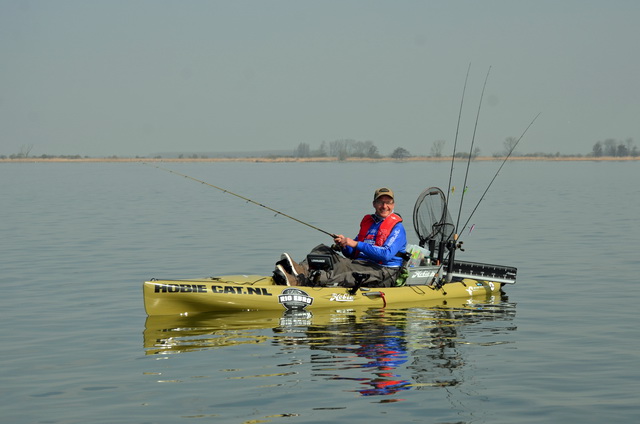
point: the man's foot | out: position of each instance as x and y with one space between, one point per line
281 274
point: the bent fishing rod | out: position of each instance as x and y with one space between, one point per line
243 198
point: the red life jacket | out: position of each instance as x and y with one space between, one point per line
384 230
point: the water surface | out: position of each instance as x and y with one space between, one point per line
79 239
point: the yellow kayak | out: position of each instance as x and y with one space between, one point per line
261 293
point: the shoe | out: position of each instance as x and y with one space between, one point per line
291 266
279 276
288 278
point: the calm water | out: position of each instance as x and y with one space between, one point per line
77 347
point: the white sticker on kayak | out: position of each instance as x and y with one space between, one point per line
294 299
341 297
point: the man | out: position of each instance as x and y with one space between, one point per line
375 252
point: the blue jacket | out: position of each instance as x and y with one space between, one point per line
384 255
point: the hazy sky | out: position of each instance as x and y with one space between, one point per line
136 77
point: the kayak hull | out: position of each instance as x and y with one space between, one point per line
260 293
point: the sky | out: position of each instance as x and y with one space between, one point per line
140 77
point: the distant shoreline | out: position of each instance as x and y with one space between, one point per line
325 159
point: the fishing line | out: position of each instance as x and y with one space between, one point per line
473 139
243 198
455 142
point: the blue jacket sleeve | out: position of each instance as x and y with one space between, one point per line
385 254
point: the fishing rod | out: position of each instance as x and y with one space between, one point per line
473 139
454 244
455 142
243 198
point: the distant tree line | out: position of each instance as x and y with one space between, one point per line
614 148
193 156
349 148
341 149
346 148
22 156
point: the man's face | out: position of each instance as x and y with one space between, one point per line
384 206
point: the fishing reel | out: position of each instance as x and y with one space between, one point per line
453 245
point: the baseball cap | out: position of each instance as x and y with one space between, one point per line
383 191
